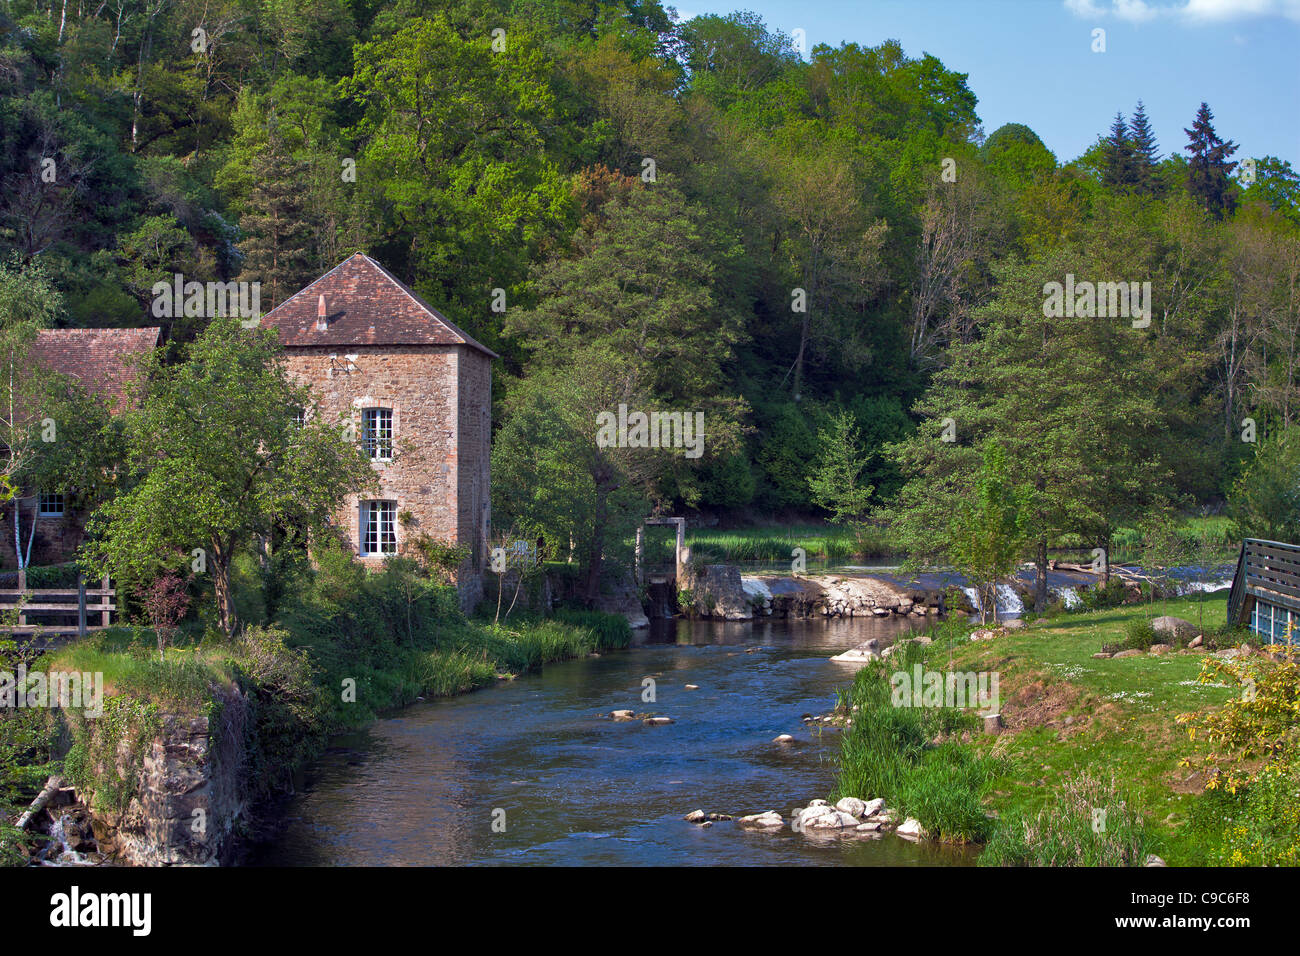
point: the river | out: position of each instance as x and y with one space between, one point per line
534 772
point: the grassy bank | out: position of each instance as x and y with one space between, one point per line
343 647
1082 734
1198 539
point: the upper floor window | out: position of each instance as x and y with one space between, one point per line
50 504
377 433
378 527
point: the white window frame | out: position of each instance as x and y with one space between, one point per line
43 500
378 443
378 526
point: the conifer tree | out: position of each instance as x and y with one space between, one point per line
277 247
1208 169
1118 159
1146 152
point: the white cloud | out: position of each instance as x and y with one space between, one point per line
1188 11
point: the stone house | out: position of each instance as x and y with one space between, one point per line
419 391
105 363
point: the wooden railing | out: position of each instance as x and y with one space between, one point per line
46 601
1267 569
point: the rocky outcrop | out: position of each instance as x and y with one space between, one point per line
189 792
716 591
619 596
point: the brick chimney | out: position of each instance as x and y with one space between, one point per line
321 323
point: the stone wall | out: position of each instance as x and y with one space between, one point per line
56 541
189 795
441 401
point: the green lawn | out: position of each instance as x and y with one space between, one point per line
1120 712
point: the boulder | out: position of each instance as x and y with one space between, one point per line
822 818
873 807
1103 655
783 739
767 820
622 714
657 721
1159 649
695 816
1131 652
1153 860
1197 641
871 826
1173 627
911 829
857 655
852 806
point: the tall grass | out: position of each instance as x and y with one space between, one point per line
822 543
1088 822
888 752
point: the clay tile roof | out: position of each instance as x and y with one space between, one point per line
102 361
365 304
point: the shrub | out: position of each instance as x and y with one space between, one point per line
1139 635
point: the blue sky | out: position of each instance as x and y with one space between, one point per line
1031 61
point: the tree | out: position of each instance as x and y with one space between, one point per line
836 482
55 435
1208 168
989 528
277 247
1265 500
1119 162
1146 152
218 458
625 318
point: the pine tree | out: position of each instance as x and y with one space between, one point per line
1208 169
277 244
1118 158
1146 152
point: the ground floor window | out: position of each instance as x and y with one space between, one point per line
1270 621
50 504
378 527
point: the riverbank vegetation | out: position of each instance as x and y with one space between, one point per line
1102 761
342 647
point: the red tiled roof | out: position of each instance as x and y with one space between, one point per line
102 361
365 304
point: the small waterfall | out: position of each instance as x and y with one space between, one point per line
1069 597
1008 600
59 853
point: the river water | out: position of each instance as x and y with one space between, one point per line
534 772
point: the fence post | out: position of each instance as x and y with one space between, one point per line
81 605
103 599
22 593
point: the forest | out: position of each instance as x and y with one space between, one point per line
823 252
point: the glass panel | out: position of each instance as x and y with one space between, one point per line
377 433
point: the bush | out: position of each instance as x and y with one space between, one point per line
1139 635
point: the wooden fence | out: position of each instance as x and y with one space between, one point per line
72 602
